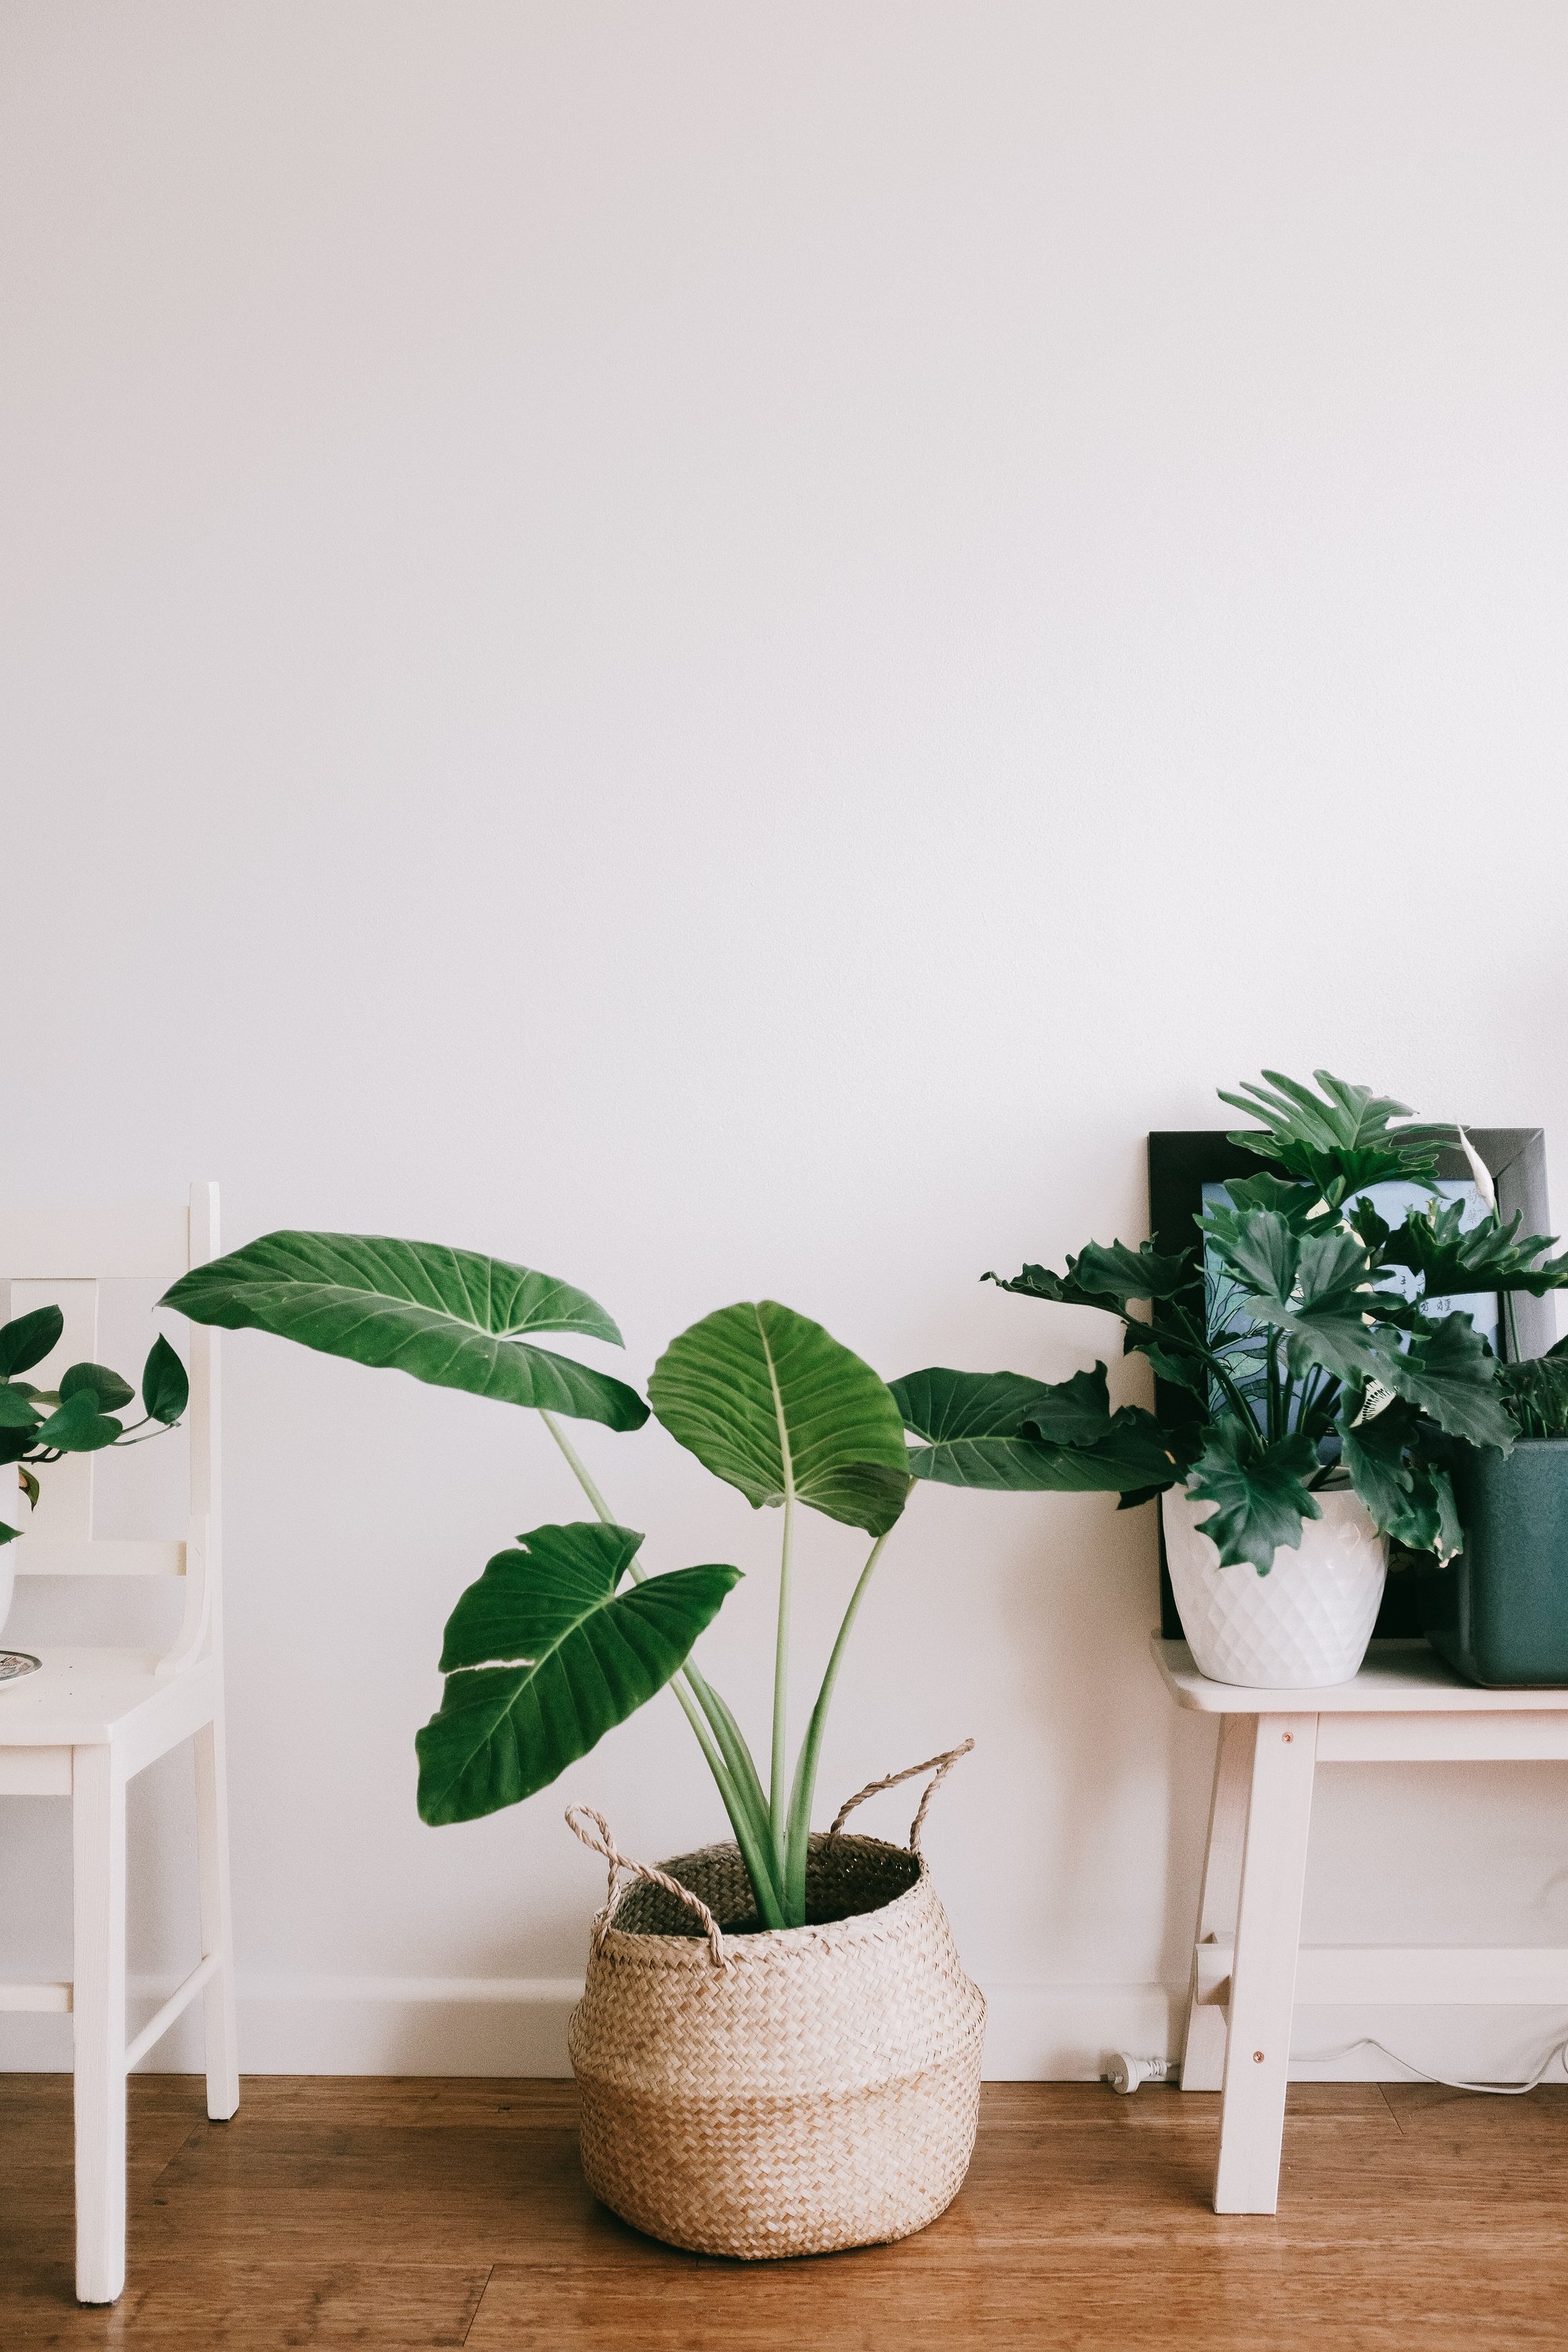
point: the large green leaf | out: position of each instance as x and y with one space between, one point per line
1315 1288
1448 1372
446 1316
27 1341
1487 1256
1341 1139
543 1655
1006 1432
1106 1276
1260 1490
1409 1497
772 1403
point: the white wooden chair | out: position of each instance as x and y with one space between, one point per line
93 1717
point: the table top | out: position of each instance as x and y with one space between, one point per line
1398 1678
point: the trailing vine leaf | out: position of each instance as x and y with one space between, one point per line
96 1380
1342 1139
1448 1370
77 1426
446 1316
17 1409
1260 1493
8 1534
1006 1432
26 1340
166 1390
543 1655
770 1401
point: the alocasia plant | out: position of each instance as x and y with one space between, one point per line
1297 1330
563 1635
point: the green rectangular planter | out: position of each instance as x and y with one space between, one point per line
1498 1614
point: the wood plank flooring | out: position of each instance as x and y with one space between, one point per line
407 2215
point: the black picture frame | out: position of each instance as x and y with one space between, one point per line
1182 1161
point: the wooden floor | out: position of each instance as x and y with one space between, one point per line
408 2214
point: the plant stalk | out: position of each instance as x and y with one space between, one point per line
778 1801
724 1751
798 1840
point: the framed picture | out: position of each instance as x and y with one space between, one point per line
1187 1168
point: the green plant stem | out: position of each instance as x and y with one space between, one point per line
798 1840
724 1751
778 1801
579 1469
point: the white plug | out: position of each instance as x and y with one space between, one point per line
1125 2072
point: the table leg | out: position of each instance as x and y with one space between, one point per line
1203 2052
1263 1969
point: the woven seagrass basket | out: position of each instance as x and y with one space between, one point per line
788 2092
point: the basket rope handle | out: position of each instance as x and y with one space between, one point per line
605 1844
939 1767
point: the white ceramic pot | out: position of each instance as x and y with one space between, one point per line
7 1584
1304 1626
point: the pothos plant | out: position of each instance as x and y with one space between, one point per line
1307 1340
38 1426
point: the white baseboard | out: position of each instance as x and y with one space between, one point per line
517 2026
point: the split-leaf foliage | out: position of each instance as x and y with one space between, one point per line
1307 1343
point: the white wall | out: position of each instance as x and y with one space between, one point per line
721 649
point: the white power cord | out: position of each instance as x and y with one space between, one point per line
1492 2090
1125 2072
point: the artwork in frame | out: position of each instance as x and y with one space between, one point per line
1188 1167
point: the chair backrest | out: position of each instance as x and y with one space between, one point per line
60 1260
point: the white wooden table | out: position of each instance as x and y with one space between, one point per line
1248 1963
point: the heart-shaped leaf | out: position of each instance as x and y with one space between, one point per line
772 1403
449 1317
96 1379
543 1655
15 1409
8 1535
27 1341
165 1391
79 1427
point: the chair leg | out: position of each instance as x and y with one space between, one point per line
217 1924
1263 1966
97 1840
1203 2052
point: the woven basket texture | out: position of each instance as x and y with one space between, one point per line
819 2090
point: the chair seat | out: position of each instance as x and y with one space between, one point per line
82 1698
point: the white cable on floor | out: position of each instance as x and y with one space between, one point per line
1493 2090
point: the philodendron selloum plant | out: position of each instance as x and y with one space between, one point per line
564 1636
1307 1339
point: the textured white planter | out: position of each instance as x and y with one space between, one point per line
1304 1626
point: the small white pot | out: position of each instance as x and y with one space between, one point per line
7 1584
1303 1626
